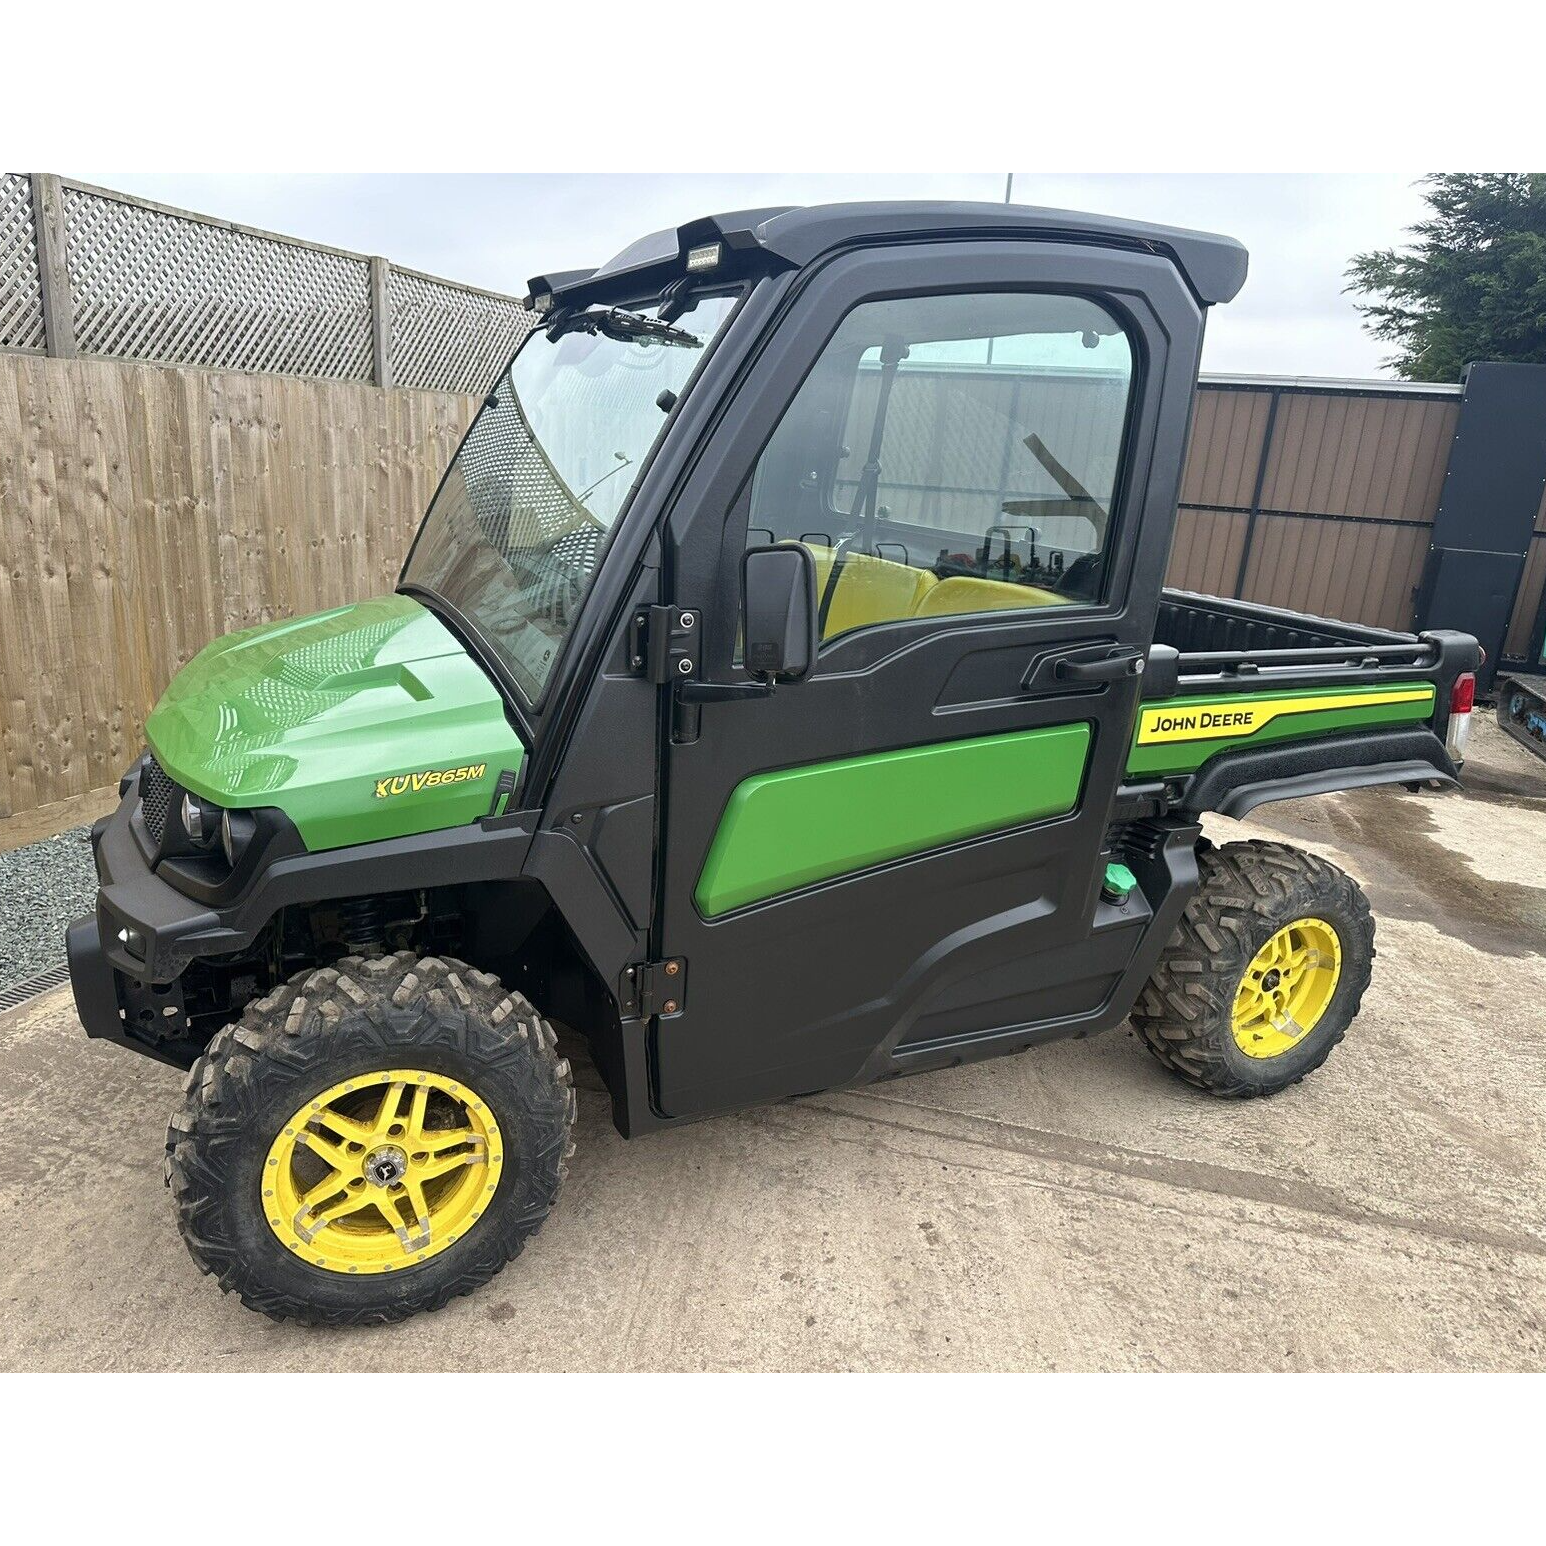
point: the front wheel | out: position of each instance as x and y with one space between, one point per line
1264 973
370 1140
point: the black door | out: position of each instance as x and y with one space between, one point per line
897 862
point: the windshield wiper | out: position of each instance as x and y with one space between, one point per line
625 325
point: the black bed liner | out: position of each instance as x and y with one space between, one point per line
1222 642
1197 624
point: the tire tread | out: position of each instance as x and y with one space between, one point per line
295 1029
1184 1011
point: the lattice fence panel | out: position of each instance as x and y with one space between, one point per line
150 285
447 339
21 289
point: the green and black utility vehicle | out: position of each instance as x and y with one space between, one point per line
781 692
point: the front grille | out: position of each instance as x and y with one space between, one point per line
155 798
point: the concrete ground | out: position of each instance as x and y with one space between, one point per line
1070 1209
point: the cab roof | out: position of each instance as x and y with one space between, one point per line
1214 266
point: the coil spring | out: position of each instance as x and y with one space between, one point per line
362 923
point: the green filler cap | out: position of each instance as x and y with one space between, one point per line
1119 883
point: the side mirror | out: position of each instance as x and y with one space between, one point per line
778 602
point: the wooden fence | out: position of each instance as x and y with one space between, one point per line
148 509
147 506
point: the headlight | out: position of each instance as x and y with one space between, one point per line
236 832
199 818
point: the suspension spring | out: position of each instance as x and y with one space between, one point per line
362 923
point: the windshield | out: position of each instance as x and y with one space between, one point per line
512 538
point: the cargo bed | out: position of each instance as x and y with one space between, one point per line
1223 639
1246 703
1215 631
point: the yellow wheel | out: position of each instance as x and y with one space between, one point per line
382 1171
370 1140
1264 973
1288 985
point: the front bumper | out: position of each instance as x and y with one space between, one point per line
127 958
148 930
96 988
141 937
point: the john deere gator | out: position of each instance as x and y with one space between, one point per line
781 694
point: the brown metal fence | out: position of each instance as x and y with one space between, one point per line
1318 496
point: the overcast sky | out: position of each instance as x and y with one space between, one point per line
498 230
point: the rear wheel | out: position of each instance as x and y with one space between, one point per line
1264 974
370 1140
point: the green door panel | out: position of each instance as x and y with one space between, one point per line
363 723
792 828
1178 735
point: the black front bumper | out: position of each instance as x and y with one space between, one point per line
96 988
125 961
143 934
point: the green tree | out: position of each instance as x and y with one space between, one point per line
1473 284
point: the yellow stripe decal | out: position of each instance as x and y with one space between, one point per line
1221 720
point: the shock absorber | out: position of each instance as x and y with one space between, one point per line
362 923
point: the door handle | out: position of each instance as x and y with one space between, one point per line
1112 669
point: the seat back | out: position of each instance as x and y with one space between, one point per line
874 590
869 590
962 593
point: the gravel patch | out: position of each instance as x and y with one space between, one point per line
44 887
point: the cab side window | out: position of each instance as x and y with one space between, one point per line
952 454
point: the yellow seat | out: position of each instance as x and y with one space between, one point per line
823 557
962 593
874 590
869 590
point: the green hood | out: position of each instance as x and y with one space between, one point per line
364 723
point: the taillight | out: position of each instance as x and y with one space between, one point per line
1462 699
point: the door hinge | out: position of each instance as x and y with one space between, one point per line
654 988
663 643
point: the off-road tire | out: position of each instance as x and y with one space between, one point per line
324 1026
1246 893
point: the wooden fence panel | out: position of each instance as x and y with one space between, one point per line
145 510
